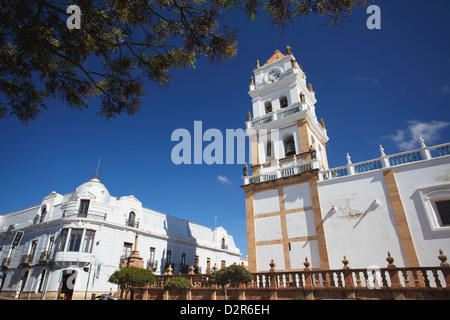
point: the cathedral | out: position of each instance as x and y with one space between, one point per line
298 208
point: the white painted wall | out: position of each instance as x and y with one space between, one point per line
414 182
158 230
356 230
266 202
297 196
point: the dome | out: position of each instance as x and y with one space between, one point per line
92 190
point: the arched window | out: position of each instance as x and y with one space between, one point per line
289 145
268 107
43 214
131 219
283 102
223 243
302 97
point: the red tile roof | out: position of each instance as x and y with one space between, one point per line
277 55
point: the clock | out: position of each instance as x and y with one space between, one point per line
273 75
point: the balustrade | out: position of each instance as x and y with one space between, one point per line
388 278
425 153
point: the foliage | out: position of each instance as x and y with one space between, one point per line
232 275
120 43
177 283
129 277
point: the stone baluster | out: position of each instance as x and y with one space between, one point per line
396 286
393 274
273 276
169 270
383 158
445 267
308 280
350 168
348 279
308 275
424 149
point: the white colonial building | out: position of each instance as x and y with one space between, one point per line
67 246
297 207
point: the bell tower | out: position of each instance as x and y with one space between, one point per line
288 149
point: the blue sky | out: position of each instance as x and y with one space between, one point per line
373 87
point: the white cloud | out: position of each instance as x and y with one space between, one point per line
224 179
369 80
408 139
440 91
445 89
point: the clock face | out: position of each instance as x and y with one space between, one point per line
273 75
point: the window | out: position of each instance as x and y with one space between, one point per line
208 264
131 219
183 259
43 214
268 107
197 268
222 264
443 208
196 261
152 255
50 245
127 248
32 250
84 207
223 243
88 240
269 149
436 202
63 239
41 280
75 240
283 102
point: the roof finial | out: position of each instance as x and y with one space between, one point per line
288 50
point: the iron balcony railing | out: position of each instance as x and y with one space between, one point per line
95 215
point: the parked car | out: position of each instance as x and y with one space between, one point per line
105 297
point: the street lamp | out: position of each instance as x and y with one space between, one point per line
87 268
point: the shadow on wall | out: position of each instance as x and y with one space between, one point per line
179 256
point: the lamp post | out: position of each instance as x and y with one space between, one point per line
87 268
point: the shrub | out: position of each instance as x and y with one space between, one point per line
177 283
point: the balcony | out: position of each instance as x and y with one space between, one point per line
94 215
132 223
385 161
6 263
152 265
278 114
45 257
296 169
26 260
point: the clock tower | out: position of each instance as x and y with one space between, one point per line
288 149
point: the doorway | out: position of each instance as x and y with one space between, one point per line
67 284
